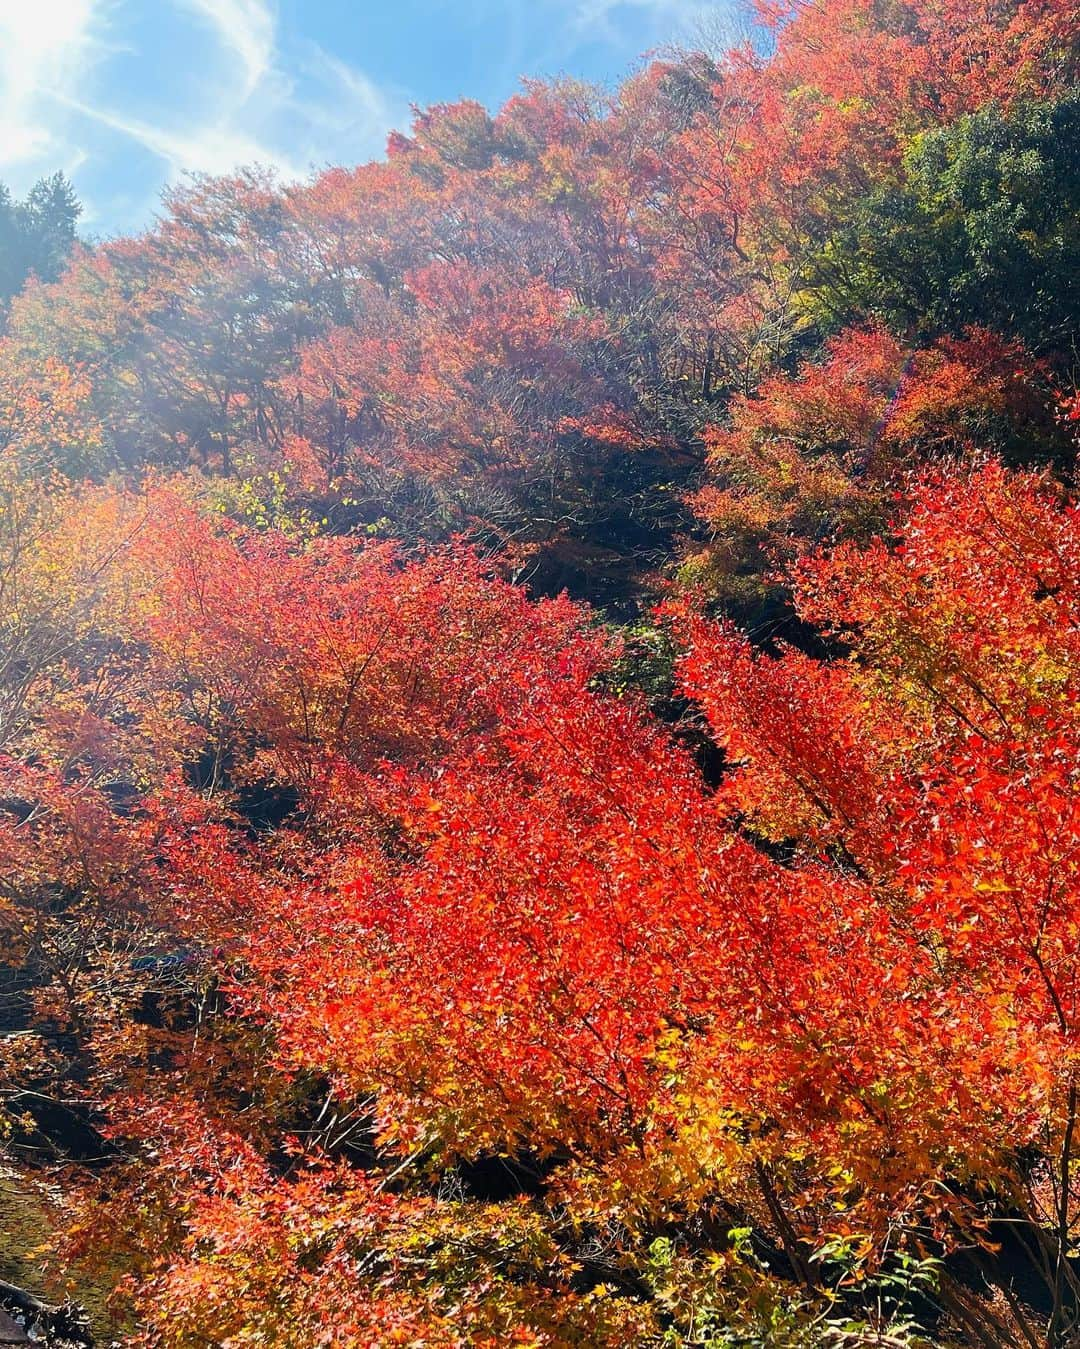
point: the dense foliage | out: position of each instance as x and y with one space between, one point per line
539 721
36 234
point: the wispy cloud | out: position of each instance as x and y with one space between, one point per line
327 111
214 149
241 101
44 45
128 95
247 27
673 19
285 111
337 111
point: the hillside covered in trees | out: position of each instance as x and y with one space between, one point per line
540 717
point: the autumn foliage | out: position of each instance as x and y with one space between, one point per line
538 718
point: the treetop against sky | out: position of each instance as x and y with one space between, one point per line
126 96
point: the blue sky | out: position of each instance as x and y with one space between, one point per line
127 95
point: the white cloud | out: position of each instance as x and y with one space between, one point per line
321 110
229 86
235 96
676 18
363 95
44 45
214 149
248 29
337 111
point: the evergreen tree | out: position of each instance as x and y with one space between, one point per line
36 234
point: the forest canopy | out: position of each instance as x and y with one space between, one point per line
539 734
